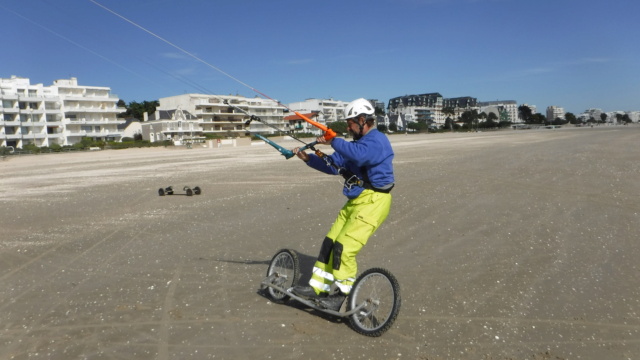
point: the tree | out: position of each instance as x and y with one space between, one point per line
450 124
469 117
491 121
419 125
626 119
618 118
448 112
558 121
537 119
340 127
137 110
525 113
482 117
571 118
604 117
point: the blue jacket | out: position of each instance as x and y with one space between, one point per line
371 154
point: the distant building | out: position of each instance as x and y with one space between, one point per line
378 105
175 125
595 114
555 112
506 110
61 114
328 110
298 124
130 128
426 107
226 114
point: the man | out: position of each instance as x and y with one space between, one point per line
366 165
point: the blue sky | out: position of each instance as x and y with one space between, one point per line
576 54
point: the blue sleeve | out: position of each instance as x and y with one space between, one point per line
364 152
317 163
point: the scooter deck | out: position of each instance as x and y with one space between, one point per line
312 303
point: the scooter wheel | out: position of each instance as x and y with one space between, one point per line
285 267
379 290
197 190
161 192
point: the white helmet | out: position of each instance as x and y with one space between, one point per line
358 107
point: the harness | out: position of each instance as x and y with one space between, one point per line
351 179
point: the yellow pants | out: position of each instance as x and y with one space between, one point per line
356 222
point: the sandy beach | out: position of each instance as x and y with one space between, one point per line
507 245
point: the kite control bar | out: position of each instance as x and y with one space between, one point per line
288 154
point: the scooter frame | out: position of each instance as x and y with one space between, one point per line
367 313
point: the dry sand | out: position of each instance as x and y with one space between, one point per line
507 245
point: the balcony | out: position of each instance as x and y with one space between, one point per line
55 136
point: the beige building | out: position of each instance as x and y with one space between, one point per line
226 115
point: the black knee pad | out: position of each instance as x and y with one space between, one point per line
337 255
325 250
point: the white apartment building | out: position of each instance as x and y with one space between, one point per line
554 112
227 114
506 110
328 110
61 114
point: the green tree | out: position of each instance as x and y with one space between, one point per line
469 118
136 109
537 119
491 121
340 127
450 124
618 118
571 118
558 121
449 112
525 113
626 119
418 126
604 117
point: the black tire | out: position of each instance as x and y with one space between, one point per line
380 290
169 190
286 266
161 192
197 190
189 192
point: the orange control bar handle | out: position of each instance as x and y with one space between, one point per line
328 133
